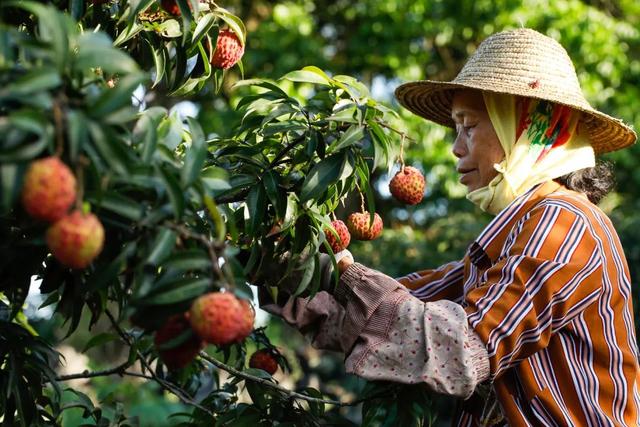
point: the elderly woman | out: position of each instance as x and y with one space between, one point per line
534 326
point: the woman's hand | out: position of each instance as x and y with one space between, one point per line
344 259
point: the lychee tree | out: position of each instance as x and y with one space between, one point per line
165 226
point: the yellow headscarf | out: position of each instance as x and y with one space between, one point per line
541 141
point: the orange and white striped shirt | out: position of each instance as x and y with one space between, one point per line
546 287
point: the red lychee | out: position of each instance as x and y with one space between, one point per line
360 227
263 359
229 50
171 7
76 239
248 315
49 189
182 352
218 318
407 185
342 241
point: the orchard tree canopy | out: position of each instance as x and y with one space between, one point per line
158 157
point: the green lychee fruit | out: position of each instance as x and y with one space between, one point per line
76 239
49 189
360 227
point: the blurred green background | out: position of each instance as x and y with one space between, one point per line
385 43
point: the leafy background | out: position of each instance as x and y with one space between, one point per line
383 44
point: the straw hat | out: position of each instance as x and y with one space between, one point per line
520 62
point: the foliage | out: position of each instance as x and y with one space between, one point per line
192 205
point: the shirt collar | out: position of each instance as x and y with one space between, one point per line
484 251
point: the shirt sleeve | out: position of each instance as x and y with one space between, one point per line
391 335
445 282
547 274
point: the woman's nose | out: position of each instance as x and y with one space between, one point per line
459 148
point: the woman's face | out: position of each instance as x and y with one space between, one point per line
477 146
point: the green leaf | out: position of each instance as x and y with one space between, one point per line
159 60
95 50
304 76
169 28
234 23
128 33
117 97
53 26
10 183
215 178
162 246
351 136
109 148
99 339
36 80
119 204
321 176
202 27
270 181
176 195
196 154
191 259
77 132
256 207
179 290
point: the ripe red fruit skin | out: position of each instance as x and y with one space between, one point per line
229 50
218 318
182 354
248 315
76 239
263 359
360 228
171 7
407 186
49 189
338 243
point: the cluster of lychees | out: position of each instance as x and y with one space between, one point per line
406 186
229 48
218 318
49 191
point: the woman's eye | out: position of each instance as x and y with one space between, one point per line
467 129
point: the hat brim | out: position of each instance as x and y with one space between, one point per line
432 100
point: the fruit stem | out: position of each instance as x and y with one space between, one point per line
362 202
80 164
402 153
333 216
58 118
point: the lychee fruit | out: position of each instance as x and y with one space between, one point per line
263 359
219 318
179 354
49 189
407 185
229 50
342 241
76 239
248 315
171 7
360 227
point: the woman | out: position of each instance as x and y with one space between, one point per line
534 326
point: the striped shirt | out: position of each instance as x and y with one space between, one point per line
546 287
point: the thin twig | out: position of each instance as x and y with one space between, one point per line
289 393
211 246
285 150
391 128
119 370
58 118
181 394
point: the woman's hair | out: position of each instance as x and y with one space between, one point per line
595 182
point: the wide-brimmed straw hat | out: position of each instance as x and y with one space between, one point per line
520 62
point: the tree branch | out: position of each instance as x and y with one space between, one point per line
289 393
181 394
